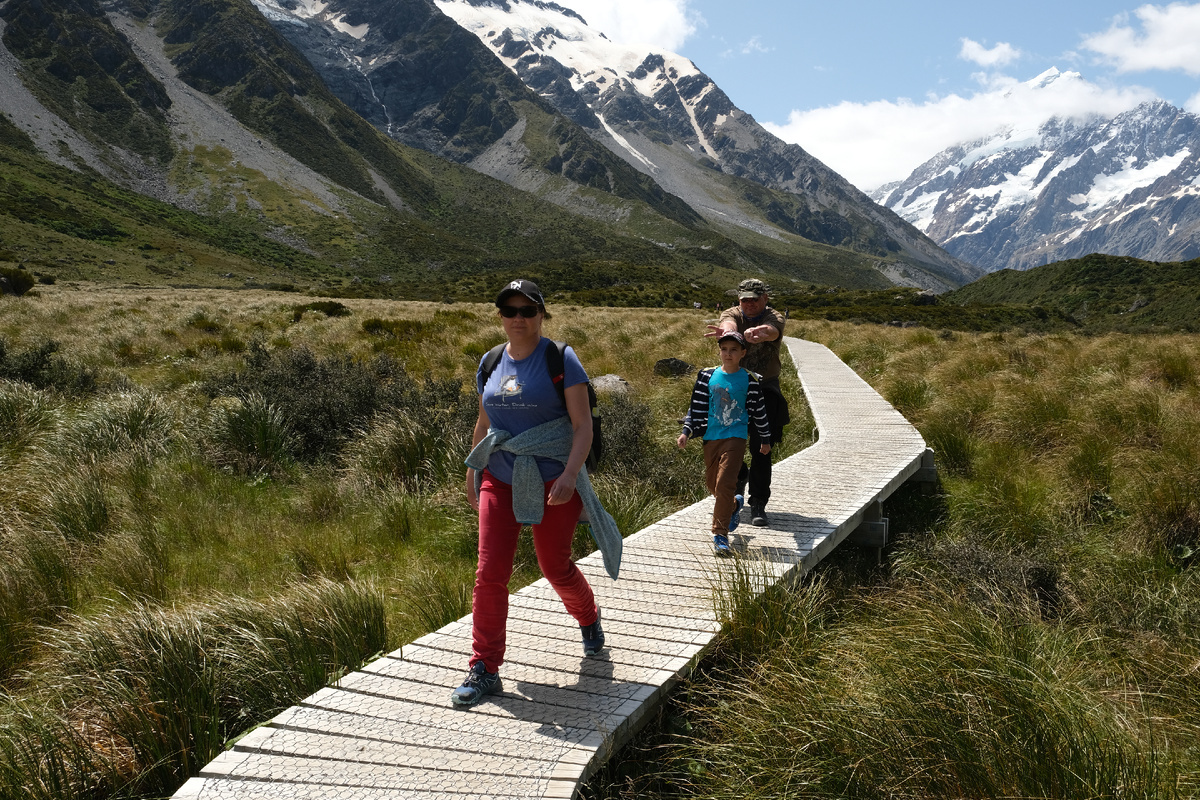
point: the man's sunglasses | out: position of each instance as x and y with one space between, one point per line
528 312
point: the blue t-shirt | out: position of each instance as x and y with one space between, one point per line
727 416
519 395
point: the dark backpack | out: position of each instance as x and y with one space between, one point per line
554 365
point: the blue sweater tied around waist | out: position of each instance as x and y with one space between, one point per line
551 439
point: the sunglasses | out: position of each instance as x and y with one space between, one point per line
528 312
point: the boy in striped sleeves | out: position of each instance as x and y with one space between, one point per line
726 400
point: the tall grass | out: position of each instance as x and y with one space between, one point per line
922 696
178 466
146 695
1033 634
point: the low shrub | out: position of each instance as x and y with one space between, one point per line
330 308
15 281
40 367
322 400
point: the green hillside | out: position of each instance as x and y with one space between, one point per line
1099 292
391 220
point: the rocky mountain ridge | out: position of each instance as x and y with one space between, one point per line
665 117
656 114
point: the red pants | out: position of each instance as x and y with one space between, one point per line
722 460
498 532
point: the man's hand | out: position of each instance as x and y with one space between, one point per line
761 333
714 331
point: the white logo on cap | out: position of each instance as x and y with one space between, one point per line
515 285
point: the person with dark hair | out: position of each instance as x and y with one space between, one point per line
526 467
762 328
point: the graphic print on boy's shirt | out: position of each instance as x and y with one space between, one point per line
727 410
727 417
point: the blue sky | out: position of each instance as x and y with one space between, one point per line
875 88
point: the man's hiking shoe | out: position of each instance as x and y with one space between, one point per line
758 516
721 545
478 685
593 636
736 518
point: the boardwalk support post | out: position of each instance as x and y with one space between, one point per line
873 530
926 475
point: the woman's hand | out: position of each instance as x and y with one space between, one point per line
472 495
562 489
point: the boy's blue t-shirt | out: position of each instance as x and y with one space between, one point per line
727 415
519 395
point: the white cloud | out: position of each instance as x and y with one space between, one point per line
1169 39
873 143
664 24
755 45
1003 53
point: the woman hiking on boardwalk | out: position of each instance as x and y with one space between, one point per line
526 467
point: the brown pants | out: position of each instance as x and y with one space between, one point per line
722 460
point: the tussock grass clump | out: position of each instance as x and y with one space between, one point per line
136 421
923 697
26 414
150 694
250 435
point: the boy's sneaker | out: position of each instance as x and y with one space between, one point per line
721 545
593 636
478 684
758 516
736 518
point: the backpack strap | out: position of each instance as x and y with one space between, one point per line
556 367
488 365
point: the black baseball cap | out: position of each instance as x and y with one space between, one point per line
523 287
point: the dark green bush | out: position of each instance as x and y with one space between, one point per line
330 308
322 399
40 367
325 400
15 281
202 322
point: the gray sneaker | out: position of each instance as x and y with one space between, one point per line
593 636
758 516
479 684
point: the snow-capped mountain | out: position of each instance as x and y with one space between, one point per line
642 126
670 120
1127 185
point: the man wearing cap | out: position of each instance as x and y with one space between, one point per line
762 328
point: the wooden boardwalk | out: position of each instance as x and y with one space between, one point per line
389 731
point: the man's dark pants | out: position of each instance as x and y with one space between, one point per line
758 476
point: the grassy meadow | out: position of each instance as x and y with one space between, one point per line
1034 631
237 496
215 502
